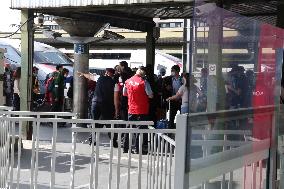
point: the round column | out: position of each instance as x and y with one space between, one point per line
80 90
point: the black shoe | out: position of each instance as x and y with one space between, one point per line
143 152
115 144
90 141
125 151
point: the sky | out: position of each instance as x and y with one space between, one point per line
8 17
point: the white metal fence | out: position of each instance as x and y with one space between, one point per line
107 166
153 169
157 163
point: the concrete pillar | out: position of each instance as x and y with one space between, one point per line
81 64
215 82
81 34
150 48
26 63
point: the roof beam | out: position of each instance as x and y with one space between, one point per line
116 19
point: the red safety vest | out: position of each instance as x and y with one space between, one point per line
138 101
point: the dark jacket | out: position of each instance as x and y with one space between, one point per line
167 88
104 92
58 89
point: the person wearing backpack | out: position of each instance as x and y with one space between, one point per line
57 89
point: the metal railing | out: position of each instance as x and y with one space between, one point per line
157 163
154 169
167 162
11 142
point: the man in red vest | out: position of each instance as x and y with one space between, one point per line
138 91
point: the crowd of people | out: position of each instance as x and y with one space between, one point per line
54 84
114 95
123 93
134 94
139 95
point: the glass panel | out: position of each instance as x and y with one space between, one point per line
235 69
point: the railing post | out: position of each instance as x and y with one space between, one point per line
181 182
272 169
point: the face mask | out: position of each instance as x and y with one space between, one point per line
173 73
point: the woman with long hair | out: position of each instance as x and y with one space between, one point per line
189 100
17 77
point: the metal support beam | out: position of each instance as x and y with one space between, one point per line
280 14
150 49
27 43
185 47
215 85
125 21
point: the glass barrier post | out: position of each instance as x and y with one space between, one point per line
182 152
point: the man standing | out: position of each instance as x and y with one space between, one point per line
171 86
103 100
102 107
138 91
8 85
58 89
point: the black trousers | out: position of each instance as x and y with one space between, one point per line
57 106
101 111
136 117
9 99
16 102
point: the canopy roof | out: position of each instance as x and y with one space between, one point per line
138 15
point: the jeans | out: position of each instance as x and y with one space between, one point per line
136 117
184 110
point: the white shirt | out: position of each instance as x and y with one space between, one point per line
17 86
190 100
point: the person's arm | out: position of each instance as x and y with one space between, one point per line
148 90
124 91
232 89
116 100
177 96
89 76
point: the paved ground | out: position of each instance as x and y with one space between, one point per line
83 153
